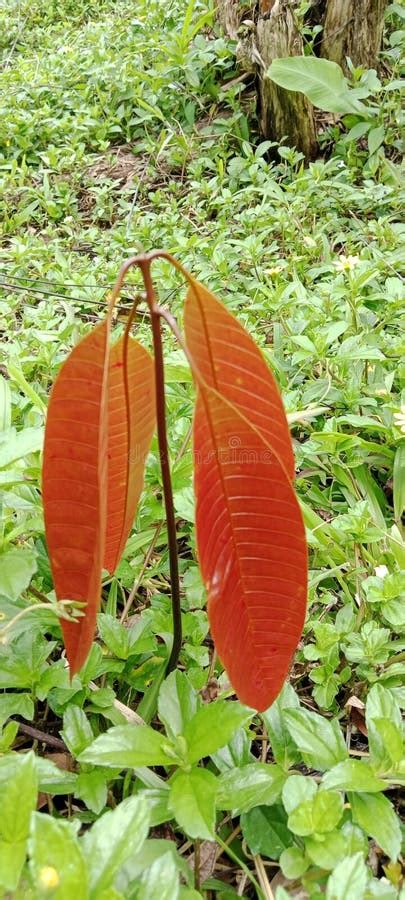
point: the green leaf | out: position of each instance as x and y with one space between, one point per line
91 787
16 705
52 779
213 726
319 815
18 800
319 740
266 831
152 850
375 815
112 840
297 789
348 880
375 138
384 725
177 703
293 863
322 81
192 801
326 850
160 881
242 788
236 752
53 845
17 567
399 481
128 746
77 732
158 804
15 445
284 749
5 405
353 775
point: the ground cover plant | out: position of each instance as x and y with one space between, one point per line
124 129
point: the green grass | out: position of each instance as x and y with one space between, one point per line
122 129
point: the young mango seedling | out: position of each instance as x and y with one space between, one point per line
250 533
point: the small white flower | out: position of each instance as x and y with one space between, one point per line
399 419
381 571
346 263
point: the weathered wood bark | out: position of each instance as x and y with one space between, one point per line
351 28
354 29
267 32
283 113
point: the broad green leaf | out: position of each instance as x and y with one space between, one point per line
18 800
192 801
15 445
321 80
293 862
355 839
177 703
91 787
236 752
326 850
399 481
52 779
16 705
128 746
55 854
12 859
266 831
213 726
284 749
348 879
17 567
5 405
158 804
353 775
384 725
256 784
77 732
319 740
297 789
160 881
375 138
112 840
319 815
153 849
376 816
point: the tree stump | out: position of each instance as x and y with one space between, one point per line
283 114
266 32
354 29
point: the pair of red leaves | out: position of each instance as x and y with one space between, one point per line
250 534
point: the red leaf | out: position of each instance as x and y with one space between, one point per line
90 491
73 485
228 360
128 442
252 550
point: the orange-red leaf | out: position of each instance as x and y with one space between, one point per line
252 550
128 441
73 485
229 361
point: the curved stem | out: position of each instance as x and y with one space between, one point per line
144 265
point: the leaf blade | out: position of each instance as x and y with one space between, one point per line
129 436
229 361
256 614
74 472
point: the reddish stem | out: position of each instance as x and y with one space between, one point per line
144 265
